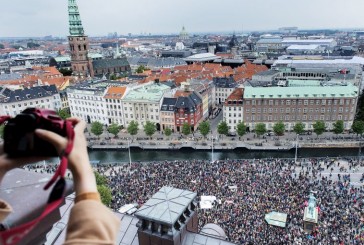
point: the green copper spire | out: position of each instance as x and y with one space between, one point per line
76 28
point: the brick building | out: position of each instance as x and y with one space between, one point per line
306 104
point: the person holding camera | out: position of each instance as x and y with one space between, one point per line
90 222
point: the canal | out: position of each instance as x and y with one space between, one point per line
109 156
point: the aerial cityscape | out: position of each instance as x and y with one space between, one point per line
224 130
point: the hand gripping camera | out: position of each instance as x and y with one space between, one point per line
20 139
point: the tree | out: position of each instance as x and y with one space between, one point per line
186 129
140 69
100 179
149 128
97 128
260 129
103 189
2 46
358 127
32 45
223 128
105 194
279 128
360 108
338 127
64 113
241 128
299 128
65 72
204 128
133 128
168 132
113 77
2 131
114 129
319 127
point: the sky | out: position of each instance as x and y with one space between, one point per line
37 18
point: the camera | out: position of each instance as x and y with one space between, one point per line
20 139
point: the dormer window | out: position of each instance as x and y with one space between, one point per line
17 98
28 96
40 95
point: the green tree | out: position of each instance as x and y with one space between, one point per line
105 194
338 127
358 127
260 129
133 128
299 128
279 128
140 69
97 128
65 72
64 113
32 45
204 128
103 188
360 108
113 77
2 126
186 129
319 127
114 129
241 128
2 46
223 128
100 179
167 132
149 128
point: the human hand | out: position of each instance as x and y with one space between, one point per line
78 160
78 156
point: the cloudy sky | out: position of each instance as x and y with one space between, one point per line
19 18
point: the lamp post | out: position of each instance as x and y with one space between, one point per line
129 157
212 148
295 155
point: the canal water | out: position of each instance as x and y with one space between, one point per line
188 154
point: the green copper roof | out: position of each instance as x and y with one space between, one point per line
76 28
301 92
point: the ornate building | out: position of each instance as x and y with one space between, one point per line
79 43
81 64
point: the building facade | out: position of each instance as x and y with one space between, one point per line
188 109
79 43
290 105
224 86
88 103
143 104
12 102
113 98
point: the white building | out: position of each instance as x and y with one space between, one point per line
143 103
88 103
113 99
12 102
223 88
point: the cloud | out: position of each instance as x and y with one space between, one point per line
49 17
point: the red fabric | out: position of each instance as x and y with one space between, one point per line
14 235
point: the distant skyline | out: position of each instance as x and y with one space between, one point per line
39 18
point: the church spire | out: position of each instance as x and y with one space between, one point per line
76 28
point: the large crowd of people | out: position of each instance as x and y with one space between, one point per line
262 186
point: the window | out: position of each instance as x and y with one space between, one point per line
305 102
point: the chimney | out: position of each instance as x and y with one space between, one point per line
167 216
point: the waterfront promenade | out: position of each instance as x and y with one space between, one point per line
249 141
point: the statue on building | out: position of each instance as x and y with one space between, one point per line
311 204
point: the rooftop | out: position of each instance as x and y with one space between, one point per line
115 93
166 206
150 92
301 92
